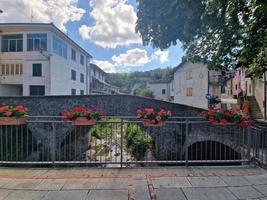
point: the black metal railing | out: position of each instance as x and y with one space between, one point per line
125 141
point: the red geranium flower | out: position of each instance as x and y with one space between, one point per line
149 111
244 125
70 115
3 108
224 121
251 122
158 118
9 114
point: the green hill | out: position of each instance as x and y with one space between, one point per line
132 82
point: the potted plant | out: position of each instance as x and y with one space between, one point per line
152 118
82 116
13 115
217 116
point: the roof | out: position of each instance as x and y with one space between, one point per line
159 81
53 28
179 66
94 66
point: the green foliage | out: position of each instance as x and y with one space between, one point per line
101 131
137 140
138 80
221 33
144 93
214 101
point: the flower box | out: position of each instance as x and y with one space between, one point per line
82 116
148 123
83 121
13 120
227 117
151 118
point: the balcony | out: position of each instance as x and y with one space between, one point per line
101 87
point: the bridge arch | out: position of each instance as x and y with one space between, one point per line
213 150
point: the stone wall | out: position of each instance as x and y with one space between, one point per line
114 105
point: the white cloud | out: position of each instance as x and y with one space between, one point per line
132 58
57 11
105 65
162 56
114 24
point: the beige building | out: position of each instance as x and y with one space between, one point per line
192 82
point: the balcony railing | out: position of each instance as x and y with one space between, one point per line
125 141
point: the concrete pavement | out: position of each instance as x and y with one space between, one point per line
165 183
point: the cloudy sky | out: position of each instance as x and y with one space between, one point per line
105 28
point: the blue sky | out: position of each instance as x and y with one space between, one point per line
105 28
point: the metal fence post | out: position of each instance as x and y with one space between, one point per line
186 148
53 144
121 143
249 144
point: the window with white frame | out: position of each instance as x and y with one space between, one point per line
36 41
12 43
60 48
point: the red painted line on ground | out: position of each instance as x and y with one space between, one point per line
131 190
123 177
151 188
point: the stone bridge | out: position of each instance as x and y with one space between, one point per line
169 141
114 105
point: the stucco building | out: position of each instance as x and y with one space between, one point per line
193 81
98 84
39 59
162 90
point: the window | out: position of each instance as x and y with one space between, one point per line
163 91
11 69
36 69
12 43
73 54
37 41
82 78
59 47
37 90
73 75
236 86
82 92
81 59
73 92
188 75
189 92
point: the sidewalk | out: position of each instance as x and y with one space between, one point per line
166 183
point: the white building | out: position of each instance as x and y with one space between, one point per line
161 89
39 59
98 82
192 82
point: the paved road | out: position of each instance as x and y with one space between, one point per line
176 183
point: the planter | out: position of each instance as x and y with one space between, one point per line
83 121
149 124
13 120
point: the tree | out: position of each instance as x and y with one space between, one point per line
221 33
144 93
